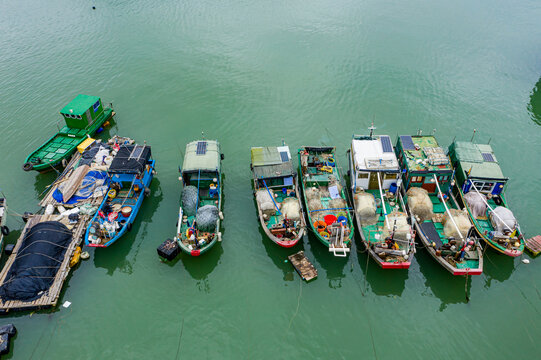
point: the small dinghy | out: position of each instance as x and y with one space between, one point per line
198 226
276 192
444 229
379 208
325 200
129 178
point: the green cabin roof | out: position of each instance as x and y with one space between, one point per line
202 155
271 162
476 159
416 150
79 105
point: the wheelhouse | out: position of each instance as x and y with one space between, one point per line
82 111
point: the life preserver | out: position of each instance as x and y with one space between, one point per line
320 226
324 234
326 169
111 194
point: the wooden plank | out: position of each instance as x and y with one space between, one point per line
534 245
304 267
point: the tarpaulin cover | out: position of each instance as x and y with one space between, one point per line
37 262
130 159
91 181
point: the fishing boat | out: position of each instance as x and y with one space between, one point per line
480 186
325 200
444 229
129 176
380 211
198 226
276 191
4 231
83 116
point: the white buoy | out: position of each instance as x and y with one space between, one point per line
220 237
525 261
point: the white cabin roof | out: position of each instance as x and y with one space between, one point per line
368 154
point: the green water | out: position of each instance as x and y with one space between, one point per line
253 73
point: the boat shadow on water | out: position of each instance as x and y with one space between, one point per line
200 267
116 256
497 267
386 282
279 254
534 106
446 287
333 266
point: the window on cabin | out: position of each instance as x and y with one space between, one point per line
79 117
96 106
417 179
443 178
362 176
390 176
484 187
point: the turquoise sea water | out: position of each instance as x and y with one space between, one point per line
252 73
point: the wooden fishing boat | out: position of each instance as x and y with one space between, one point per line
444 229
198 226
4 231
83 116
277 195
325 200
129 176
380 211
480 186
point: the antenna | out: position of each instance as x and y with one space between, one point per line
473 135
433 131
488 143
203 135
454 139
372 128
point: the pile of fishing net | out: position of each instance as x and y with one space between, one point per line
503 220
312 193
265 202
477 203
189 200
462 221
419 203
291 208
398 221
366 208
206 218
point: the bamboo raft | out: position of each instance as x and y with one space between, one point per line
50 297
534 245
304 267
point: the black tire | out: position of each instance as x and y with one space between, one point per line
64 162
5 230
26 216
128 226
28 166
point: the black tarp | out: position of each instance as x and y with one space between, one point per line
37 262
130 159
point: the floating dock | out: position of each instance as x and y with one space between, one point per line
534 245
304 267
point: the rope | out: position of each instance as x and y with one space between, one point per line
298 303
272 198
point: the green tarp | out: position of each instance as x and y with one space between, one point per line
207 159
268 162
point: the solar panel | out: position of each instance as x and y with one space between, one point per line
386 144
201 148
407 142
488 157
284 156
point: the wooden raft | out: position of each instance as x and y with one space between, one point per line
534 245
50 297
304 267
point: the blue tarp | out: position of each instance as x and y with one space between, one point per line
86 189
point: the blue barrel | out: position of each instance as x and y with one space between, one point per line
393 188
343 220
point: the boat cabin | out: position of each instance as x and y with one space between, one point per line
477 162
201 166
82 111
272 166
371 155
420 158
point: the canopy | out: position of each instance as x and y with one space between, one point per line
37 262
130 159
202 155
476 160
270 162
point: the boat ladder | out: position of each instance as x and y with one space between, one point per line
336 245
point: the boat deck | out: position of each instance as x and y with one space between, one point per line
303 266
50 297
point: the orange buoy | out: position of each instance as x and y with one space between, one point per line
320 226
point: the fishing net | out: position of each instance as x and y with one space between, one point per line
419 203
503 219
189 200
398 221
315 204
312 193
462 222
365 204
291 208
337 203
477 203
264 200
206 218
